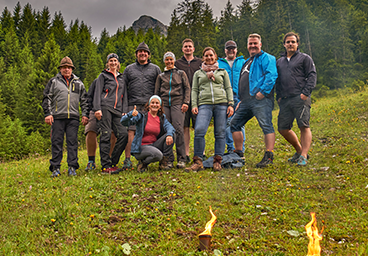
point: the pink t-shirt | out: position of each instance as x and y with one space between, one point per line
152 130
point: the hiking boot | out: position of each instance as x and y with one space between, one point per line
302 161
127 164
217 163
187 159
116 170
90 166
295 158
141 167
180 165
165 164
55 173
108 170
266 160
239 153
72 171
196 166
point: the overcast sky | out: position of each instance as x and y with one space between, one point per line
111 14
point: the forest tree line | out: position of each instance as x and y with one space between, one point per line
32 43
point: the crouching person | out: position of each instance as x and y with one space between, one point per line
61 99
154 136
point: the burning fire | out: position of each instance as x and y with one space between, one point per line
312 232
209 224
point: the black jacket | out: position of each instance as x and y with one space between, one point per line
295 76
140 81
110 92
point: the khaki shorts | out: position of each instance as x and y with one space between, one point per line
92 124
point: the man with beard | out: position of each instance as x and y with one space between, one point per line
140 78
233 66
257 80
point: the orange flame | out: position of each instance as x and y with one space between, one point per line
312 232
209 224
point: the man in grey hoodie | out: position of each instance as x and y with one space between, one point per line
62 96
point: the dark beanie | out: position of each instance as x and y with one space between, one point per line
143 46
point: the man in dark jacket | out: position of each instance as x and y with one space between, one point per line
189 64
140 78
296 79
62 96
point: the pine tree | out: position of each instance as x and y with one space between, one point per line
7 21
45 69
58 29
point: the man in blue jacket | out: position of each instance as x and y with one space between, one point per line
294 85
233 66
256 84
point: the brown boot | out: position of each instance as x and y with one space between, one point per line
196 166
217 163
164 164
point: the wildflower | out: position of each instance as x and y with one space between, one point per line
199 187
53 220
348 162
174 194
90 196
92 216
197 202
71 223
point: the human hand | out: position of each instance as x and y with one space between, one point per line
230 111
98 115
303 97
237 106
84 120
184 108
195 111
49 120
259 96
169 140
135 112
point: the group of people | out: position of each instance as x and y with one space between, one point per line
144 111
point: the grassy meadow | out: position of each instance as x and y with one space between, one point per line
259 211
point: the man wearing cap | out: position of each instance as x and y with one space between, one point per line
256 93
189 64
140 78
61 99
233 66
297 78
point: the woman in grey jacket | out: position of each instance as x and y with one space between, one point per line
110 101
173 87
211 96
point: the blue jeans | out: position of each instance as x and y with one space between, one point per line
229 135
261 109
205 113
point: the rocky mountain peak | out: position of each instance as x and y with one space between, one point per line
146 22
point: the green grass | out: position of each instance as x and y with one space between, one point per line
161 213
